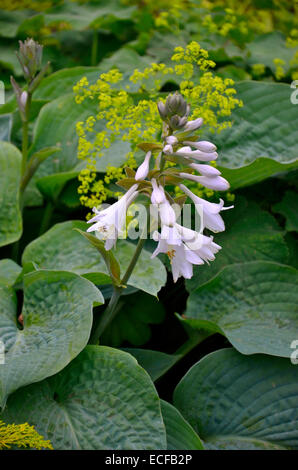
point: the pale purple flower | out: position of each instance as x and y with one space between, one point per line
217 183
143 170
211 217
110 222
158 193
202 145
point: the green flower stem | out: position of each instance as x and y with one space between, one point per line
25 137
111 310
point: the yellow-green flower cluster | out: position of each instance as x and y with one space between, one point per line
21 435
279 68
134 117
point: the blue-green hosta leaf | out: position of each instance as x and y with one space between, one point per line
255 305
251 234
264 127
9 271
103 400
99 15
64 248
255 172
156 363
62 81
180 434
56 127
288 208
241 403
269 46
10 175
57 316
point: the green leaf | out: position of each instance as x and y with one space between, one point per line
255 172
251 234
56 127
180 435
62 82
108 256
132 323
10 174
64 248
103 400
288 208
156 363
9 271
264 127
269 46
57 316
241 403
9 22
255 305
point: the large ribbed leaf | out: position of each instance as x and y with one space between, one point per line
9 271
64 248
264 127
57 316
288 208
56 126
254 304
180 435
10 175
102 400
239 402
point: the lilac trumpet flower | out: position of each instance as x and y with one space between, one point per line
187 152
158 194
217 183
211 217
109 223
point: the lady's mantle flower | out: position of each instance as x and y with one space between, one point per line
110 222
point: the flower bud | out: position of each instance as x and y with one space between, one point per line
161 110
168 149
30 56
202 145
193 125
205 170
158 194
171 140
176 104
177 122
143 169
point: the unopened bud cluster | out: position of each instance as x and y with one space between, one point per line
30 57
174 111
